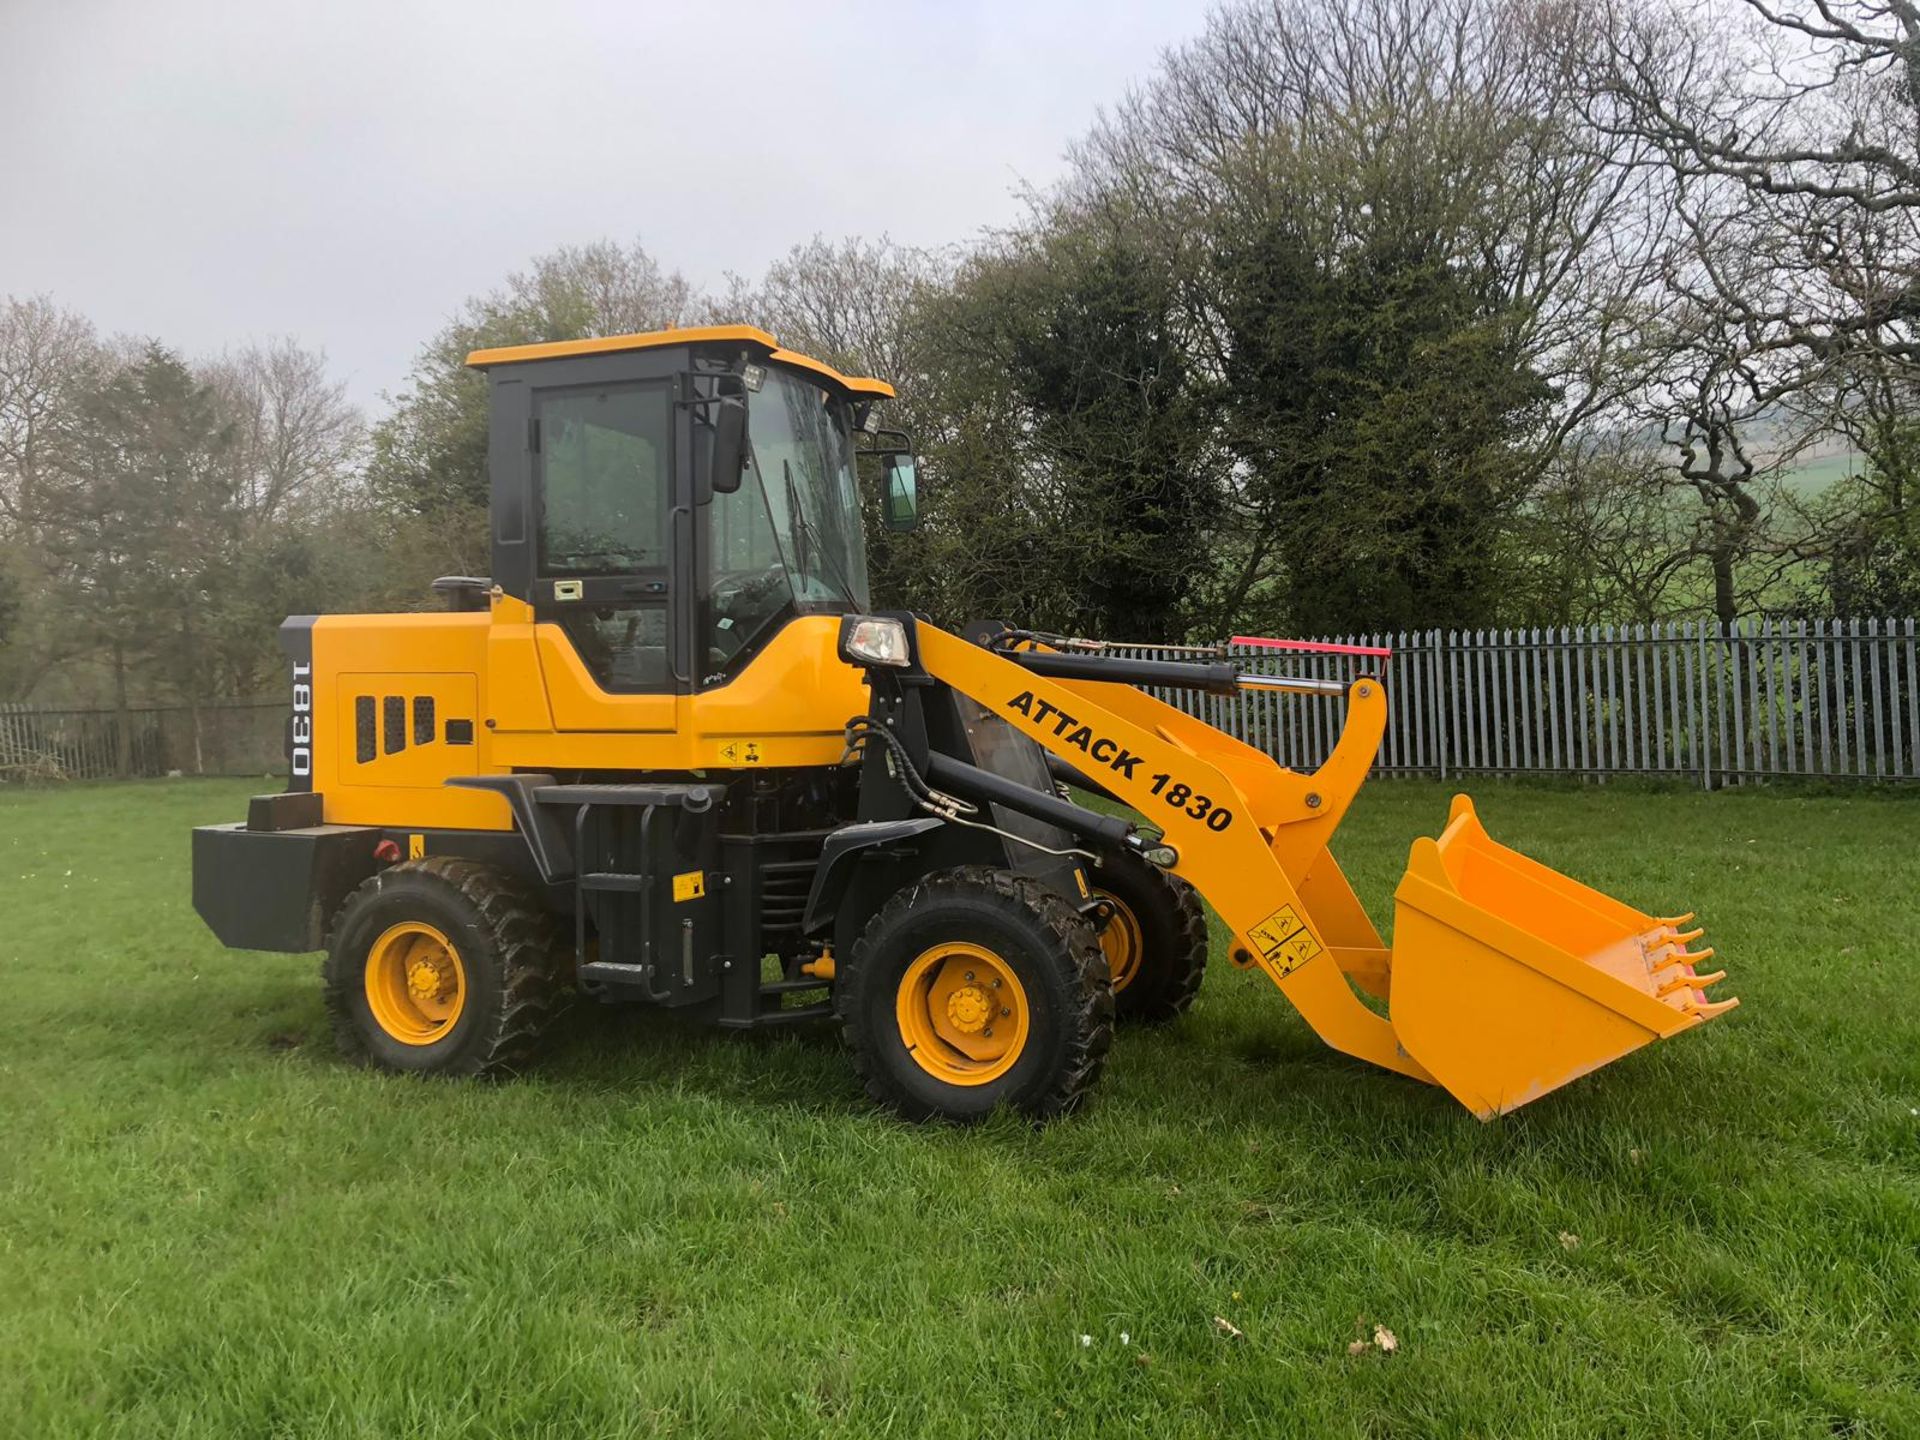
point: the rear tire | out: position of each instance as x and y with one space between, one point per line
1156 944
442 967
976 988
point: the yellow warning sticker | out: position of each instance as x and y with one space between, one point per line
690 886
740 752
1081 876
1284 941
416 847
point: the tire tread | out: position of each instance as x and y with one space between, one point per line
526 939
1174 930
1090 1029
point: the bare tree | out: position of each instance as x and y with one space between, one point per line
49 358
1790 134
850 303
298 441
602 288
46 356
1604 538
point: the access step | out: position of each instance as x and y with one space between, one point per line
615 974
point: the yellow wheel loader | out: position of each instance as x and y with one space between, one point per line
667 753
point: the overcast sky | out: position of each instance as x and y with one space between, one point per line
348 171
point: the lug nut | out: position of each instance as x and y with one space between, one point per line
969 977
1005 1011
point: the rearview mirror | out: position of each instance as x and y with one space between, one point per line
901 506
729 443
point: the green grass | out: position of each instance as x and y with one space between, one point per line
209 1225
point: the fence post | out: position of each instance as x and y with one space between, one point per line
1913 705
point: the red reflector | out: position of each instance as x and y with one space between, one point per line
387 851
1317 647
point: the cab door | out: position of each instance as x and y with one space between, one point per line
605 508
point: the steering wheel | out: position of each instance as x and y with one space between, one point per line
740 596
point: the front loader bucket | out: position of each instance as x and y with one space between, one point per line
1509 979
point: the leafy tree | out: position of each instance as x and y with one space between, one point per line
1872 566
143 492
1396 258
1375 400
1073 327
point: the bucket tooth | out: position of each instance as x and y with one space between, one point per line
1673 922
1682 957
1707 1009
1690 981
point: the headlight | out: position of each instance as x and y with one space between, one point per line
866 640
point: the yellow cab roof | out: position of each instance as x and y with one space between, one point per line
691 335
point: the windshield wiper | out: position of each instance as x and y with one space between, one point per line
815 541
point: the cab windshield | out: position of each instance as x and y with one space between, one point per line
790 536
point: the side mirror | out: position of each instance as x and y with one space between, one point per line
901 506
729 443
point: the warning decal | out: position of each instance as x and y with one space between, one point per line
1284 941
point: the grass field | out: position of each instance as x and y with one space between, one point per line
210 1226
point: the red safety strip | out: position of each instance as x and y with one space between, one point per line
1318 647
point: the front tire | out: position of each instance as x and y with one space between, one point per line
442 967
972 989
1156 943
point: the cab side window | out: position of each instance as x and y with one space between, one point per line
604 480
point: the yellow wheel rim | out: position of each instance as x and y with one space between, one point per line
416 985
1122 941
962 1013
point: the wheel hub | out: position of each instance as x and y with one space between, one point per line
968 1009
425 981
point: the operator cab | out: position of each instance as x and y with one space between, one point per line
672 500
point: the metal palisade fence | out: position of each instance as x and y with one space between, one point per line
50 742
1830 699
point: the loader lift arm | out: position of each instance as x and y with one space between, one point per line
1514 978
1214 825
